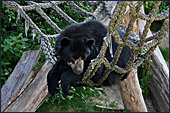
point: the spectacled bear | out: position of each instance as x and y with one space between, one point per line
75 47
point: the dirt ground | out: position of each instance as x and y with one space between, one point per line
149 104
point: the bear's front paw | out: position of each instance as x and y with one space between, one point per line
53 91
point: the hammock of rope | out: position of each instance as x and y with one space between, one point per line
133 41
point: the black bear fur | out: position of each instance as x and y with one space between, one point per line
82 40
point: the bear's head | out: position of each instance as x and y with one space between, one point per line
79 43
75 50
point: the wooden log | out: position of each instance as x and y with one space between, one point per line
132 93
159 82
12 88
35 94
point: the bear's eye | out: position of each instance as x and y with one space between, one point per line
71 61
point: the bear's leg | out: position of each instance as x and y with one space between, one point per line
54 76
68 78
52 80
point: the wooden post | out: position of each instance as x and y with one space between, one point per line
132 93
130 87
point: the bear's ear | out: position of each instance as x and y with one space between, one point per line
65 41
90 41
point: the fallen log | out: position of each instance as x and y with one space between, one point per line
33 95
19 78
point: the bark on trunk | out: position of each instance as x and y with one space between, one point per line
159 82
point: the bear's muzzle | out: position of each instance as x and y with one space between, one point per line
78 66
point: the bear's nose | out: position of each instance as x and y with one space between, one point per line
79 70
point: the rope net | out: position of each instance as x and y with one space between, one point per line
133 41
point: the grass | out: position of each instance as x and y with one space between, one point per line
144 74
82 99
78 102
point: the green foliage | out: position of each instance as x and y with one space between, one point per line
143 74
84 6
13 41
81 100
143 51
7 16
163 7
148 5
73 13
165 53
11 50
